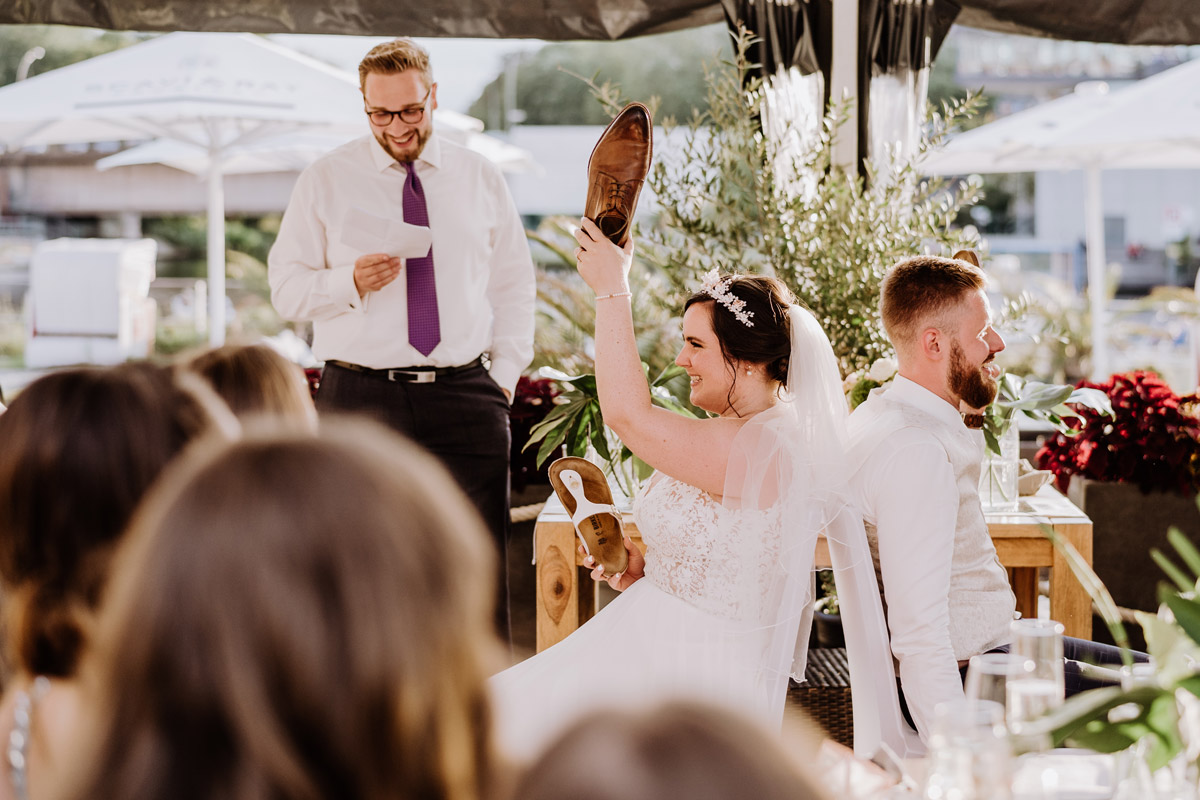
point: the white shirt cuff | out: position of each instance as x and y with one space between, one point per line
506 374
341 287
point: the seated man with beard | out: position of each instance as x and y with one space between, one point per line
916 458
917 475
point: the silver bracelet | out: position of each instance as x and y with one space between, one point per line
625 293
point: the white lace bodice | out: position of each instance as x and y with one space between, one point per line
718 559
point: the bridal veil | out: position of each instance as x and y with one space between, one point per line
792 459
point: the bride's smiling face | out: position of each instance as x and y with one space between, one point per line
711 375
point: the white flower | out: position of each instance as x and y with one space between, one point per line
851 381
883 370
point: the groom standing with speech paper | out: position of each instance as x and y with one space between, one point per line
407 254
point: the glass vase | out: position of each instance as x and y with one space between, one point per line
998 474
622 474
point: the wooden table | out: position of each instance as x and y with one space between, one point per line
1020 544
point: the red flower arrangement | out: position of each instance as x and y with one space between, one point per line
1152 439
532 401
313 376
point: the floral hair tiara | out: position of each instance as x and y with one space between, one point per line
716 288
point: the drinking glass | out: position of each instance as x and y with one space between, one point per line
1040 687
988 676
969 754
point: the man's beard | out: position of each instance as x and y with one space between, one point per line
970 383
409 154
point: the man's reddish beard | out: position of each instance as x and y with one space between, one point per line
411 154
970 383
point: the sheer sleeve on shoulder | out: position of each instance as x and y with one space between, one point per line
792 460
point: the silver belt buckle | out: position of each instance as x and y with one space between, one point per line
418 375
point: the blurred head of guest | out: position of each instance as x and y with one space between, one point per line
255 380
295 616
78 449
674 750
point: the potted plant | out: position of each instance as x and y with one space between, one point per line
1134 473
827 616
533 400
729 215
1045 402
1154 716
577 424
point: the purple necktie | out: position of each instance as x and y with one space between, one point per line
424 329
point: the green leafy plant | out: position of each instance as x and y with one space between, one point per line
566 307
831 244
828 603
719 208
577 424
1113 719
1046 402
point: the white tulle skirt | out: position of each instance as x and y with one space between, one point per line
644 647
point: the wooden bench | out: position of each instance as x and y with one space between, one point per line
1023 549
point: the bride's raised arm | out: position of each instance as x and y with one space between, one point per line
691 450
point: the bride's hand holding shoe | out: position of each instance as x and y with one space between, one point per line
634 572
602 265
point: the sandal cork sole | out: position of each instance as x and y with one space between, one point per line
599 525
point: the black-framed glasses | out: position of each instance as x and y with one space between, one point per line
409 116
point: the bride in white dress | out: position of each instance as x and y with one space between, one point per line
719 609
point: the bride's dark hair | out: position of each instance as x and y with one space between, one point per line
768 341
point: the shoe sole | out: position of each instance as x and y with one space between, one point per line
601 534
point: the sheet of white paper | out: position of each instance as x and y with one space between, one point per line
369 233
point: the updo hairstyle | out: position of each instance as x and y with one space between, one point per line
768 341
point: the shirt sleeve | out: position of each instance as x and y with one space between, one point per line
511 291
304 287
916 510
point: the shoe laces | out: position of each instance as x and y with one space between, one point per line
618 193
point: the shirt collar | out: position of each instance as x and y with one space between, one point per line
431 155
914 394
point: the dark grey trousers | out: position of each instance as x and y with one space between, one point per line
462 419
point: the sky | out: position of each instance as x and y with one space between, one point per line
461 67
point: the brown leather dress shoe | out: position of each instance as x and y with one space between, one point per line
616 171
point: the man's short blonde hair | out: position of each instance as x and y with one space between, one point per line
921 291
394 57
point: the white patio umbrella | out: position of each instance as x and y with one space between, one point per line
212 91
1153 124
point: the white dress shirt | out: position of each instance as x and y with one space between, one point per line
486 286
947 596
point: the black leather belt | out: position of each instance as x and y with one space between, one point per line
409 374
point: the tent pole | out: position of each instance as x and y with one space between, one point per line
1096 270
216 249
843 79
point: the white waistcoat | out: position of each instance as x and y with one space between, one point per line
982 603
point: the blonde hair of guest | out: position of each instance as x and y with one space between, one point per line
255 380
676 750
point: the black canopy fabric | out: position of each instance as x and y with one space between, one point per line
1119 21
894 36
795 34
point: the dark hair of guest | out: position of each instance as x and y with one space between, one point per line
78 450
